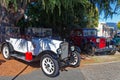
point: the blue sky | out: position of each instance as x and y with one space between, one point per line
114 19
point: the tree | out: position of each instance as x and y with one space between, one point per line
118 25
12 11
79 14
105 6
60 11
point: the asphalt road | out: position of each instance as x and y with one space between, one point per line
70 74
105 71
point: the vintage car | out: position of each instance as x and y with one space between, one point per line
116 40
89 42
36 45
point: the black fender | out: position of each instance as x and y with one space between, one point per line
92 44
77 49
54 55
9 45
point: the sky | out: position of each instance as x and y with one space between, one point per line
114 19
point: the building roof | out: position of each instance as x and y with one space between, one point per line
111 25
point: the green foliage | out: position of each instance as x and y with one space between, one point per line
106 6
59 13
118 25
62 13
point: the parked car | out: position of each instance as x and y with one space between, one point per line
89 42
116 40
52 54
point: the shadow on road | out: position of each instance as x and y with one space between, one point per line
2 61
20 72
35 64
32 64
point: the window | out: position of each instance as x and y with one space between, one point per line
90 32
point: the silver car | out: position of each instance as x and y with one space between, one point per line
34 45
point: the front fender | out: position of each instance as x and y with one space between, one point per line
54 55
9 45
77 49
92 44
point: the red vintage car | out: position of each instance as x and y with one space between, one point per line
90 43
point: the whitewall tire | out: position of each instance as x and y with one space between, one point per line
6 51
49 65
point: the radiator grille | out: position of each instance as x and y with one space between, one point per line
64 48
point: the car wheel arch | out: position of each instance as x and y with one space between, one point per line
53 54
6 50
9 45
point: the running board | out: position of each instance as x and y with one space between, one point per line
22 57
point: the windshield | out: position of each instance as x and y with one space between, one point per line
39 32
12 31
90 32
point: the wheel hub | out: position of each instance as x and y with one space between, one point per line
73 59
48 65
5 52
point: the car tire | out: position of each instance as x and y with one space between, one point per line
112 52
118 48
49 65
75 59
6 51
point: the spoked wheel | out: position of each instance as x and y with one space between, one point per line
6 51
75 59
49 65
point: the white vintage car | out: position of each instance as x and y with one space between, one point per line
53 54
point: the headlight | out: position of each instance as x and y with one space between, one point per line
59 51
72 48
97 40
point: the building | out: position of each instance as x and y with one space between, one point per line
107 29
